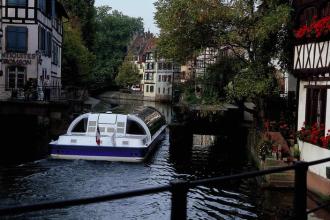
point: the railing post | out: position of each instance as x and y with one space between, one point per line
179 199
300 191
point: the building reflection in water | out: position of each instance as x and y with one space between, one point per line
203 140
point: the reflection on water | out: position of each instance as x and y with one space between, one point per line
209 156
203 140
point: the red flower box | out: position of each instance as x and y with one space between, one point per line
316 29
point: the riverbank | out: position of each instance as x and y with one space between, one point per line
314 198
127 96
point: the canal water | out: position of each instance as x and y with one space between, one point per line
209 156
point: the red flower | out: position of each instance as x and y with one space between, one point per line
316 28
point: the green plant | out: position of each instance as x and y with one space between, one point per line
265 149
296 152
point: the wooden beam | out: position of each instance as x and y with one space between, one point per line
317 86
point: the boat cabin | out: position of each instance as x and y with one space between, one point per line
116 129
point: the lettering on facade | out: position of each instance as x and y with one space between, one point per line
22 59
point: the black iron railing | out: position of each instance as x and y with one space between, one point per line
50 93
179 190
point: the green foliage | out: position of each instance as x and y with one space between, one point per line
219 75
248 85
77 60
78 41
255 30
128 73
82 16
265 149
114 32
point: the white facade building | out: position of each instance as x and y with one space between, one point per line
32 44
149 76
166 72
158 77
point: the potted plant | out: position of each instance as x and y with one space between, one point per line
265 149
296 152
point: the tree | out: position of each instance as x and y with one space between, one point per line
252 26
82 15
77 59
114 32
128 73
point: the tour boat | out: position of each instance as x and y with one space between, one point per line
111 137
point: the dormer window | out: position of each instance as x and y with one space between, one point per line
20 3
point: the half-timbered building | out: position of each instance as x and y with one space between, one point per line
159 74
312 67
32 44
312 64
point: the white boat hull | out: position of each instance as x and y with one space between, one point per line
105 153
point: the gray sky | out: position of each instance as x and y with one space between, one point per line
134 8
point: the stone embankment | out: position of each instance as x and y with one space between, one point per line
125 96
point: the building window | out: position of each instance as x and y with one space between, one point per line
168 90
307 15
45 41
49 44
159 78
55 53
164 90
45 6
326 10
158 90
42 5
149 76
169 78
147 88
42 39
316 106
16 38
151 88
20 3
16 77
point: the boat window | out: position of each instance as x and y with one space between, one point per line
92 123
81 126
91 129
151 117
120 124
110 130
120 130
132 127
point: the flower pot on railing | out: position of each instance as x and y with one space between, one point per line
328 172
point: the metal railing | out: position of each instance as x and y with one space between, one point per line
51 93
180 188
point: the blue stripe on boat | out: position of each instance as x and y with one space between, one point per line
98 151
